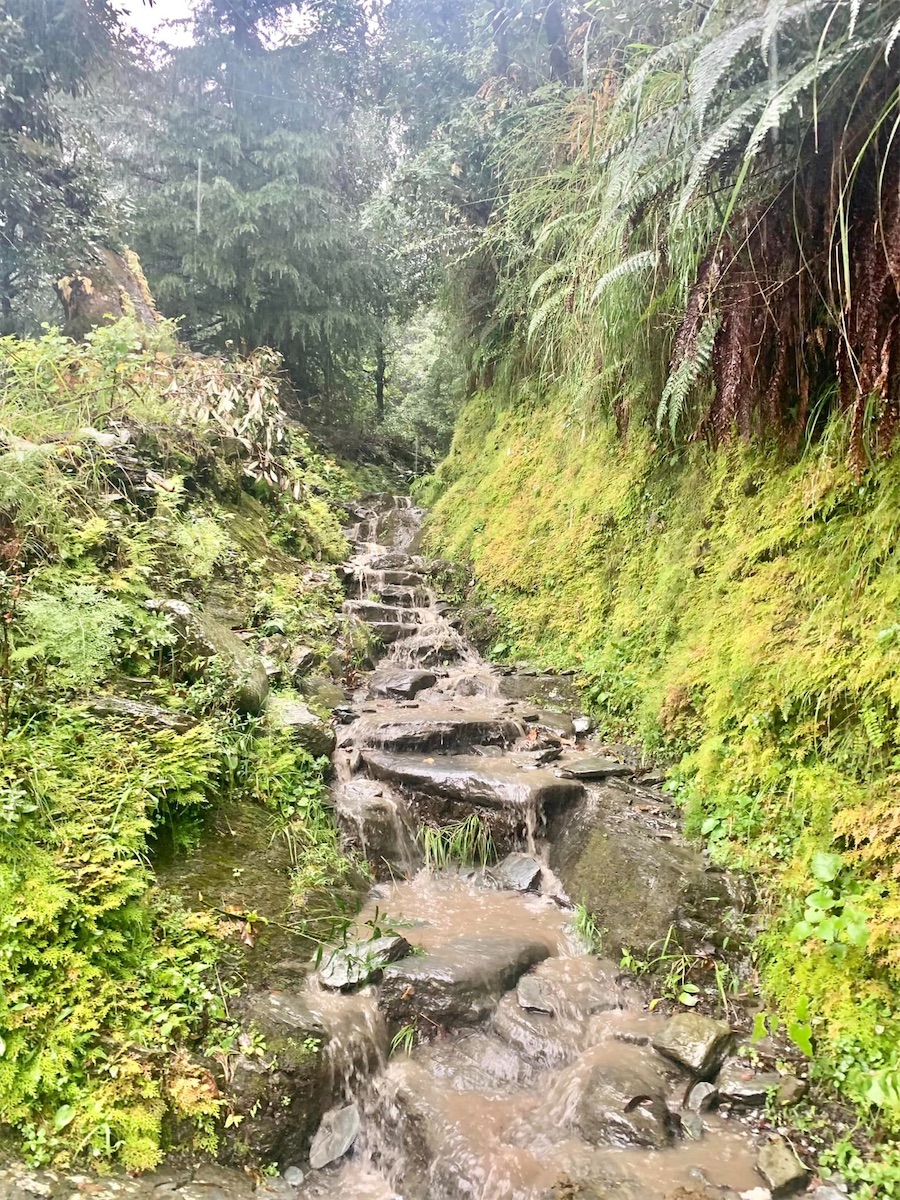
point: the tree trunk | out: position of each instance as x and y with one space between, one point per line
380 369
109 288
555 30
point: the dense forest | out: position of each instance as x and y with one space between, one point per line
613 290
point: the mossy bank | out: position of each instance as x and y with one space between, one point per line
167 541
736 613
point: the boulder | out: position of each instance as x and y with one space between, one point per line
610 858
458 984
135 712
694 1041
203 636
780 1167
431 727
336 1134
351 966
323 692
376 820
398 684
301 723
519 872
559 724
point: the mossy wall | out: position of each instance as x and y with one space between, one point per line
740 615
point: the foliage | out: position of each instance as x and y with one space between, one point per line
466 842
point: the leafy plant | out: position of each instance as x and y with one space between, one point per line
466 842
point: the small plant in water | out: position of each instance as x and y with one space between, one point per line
467 842
404 1039
587 929
675 970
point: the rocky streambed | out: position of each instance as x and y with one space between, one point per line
466 1041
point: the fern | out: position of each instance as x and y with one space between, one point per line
73 635
718 143
684 377
715 60
644 260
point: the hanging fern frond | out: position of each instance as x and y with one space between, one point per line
542 315
718 143
553 272
663 57
644 260
780 13
784 99
716 59
684 376
891 40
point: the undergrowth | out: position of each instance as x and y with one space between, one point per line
736 611
129 473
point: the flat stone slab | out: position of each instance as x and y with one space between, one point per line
431 726
491 782
137 712
694 1041
458 984
351 966
399 684
740 1084
591 766
373 612
335 1136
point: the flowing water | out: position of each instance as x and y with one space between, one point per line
522 1066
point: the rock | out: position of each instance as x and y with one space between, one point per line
826 1192
780 1168
519 872
400 685
305 728
292 1176
376 820
622 1103
323 692
431 728
351 966
757 1193
701 1097
203 637
790 1090
739 1083
610 858
582 725
694 1041
472 779
458 984
535 1036
535 994
591 766
556 723
152 716
692 1125
300 660
335 1136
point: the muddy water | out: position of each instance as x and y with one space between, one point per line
532 1075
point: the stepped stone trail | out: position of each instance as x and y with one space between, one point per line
474 1046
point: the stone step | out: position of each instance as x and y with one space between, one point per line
375 613
491 782
430 727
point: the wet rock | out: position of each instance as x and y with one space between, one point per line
495 783
622 1102
474 1062
739 1083
543 689
790 1090
304 727
376 820
696 1042
609 857
430 728
780 1168
556 723
534 1035
583 725
399 684
205 637
701 1097
292 1176
458 984
280 1098
692 1125
351 966
151 716
536 994
591 766
323 692
519 872
374 613
301 659
335 1136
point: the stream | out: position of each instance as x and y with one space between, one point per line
485 1051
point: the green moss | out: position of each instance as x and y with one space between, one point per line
738 615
